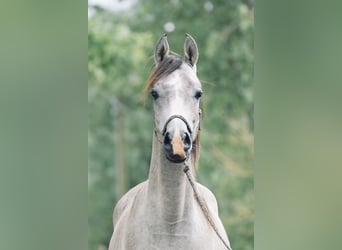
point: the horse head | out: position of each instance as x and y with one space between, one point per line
176 92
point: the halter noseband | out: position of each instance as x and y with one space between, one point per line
156 132
179 117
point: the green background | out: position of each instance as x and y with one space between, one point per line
44 123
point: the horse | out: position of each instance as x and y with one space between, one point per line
170 210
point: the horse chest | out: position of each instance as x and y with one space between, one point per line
186 235
180 239
146 240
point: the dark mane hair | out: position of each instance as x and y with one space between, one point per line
171 63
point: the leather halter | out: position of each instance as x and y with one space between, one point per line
173 117
157 133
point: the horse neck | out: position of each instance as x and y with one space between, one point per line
169 193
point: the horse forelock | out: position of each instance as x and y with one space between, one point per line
171 63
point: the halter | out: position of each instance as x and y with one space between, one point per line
173 117
170 119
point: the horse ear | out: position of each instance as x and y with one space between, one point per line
162 49
190 51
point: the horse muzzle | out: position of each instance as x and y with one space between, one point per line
177 144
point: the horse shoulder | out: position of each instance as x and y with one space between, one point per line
209 198
125 200
211 202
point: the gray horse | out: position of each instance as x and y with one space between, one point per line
163 212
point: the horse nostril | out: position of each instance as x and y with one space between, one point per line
167 142
187 141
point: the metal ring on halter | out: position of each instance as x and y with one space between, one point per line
173 117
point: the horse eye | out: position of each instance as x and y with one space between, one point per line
154 94
198 94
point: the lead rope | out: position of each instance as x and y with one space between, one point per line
203 205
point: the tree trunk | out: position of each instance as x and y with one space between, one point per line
119 154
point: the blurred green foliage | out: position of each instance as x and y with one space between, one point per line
120 50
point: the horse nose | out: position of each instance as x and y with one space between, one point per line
167 142
187 141
177 145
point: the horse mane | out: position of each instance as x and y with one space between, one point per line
195 151
171 63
